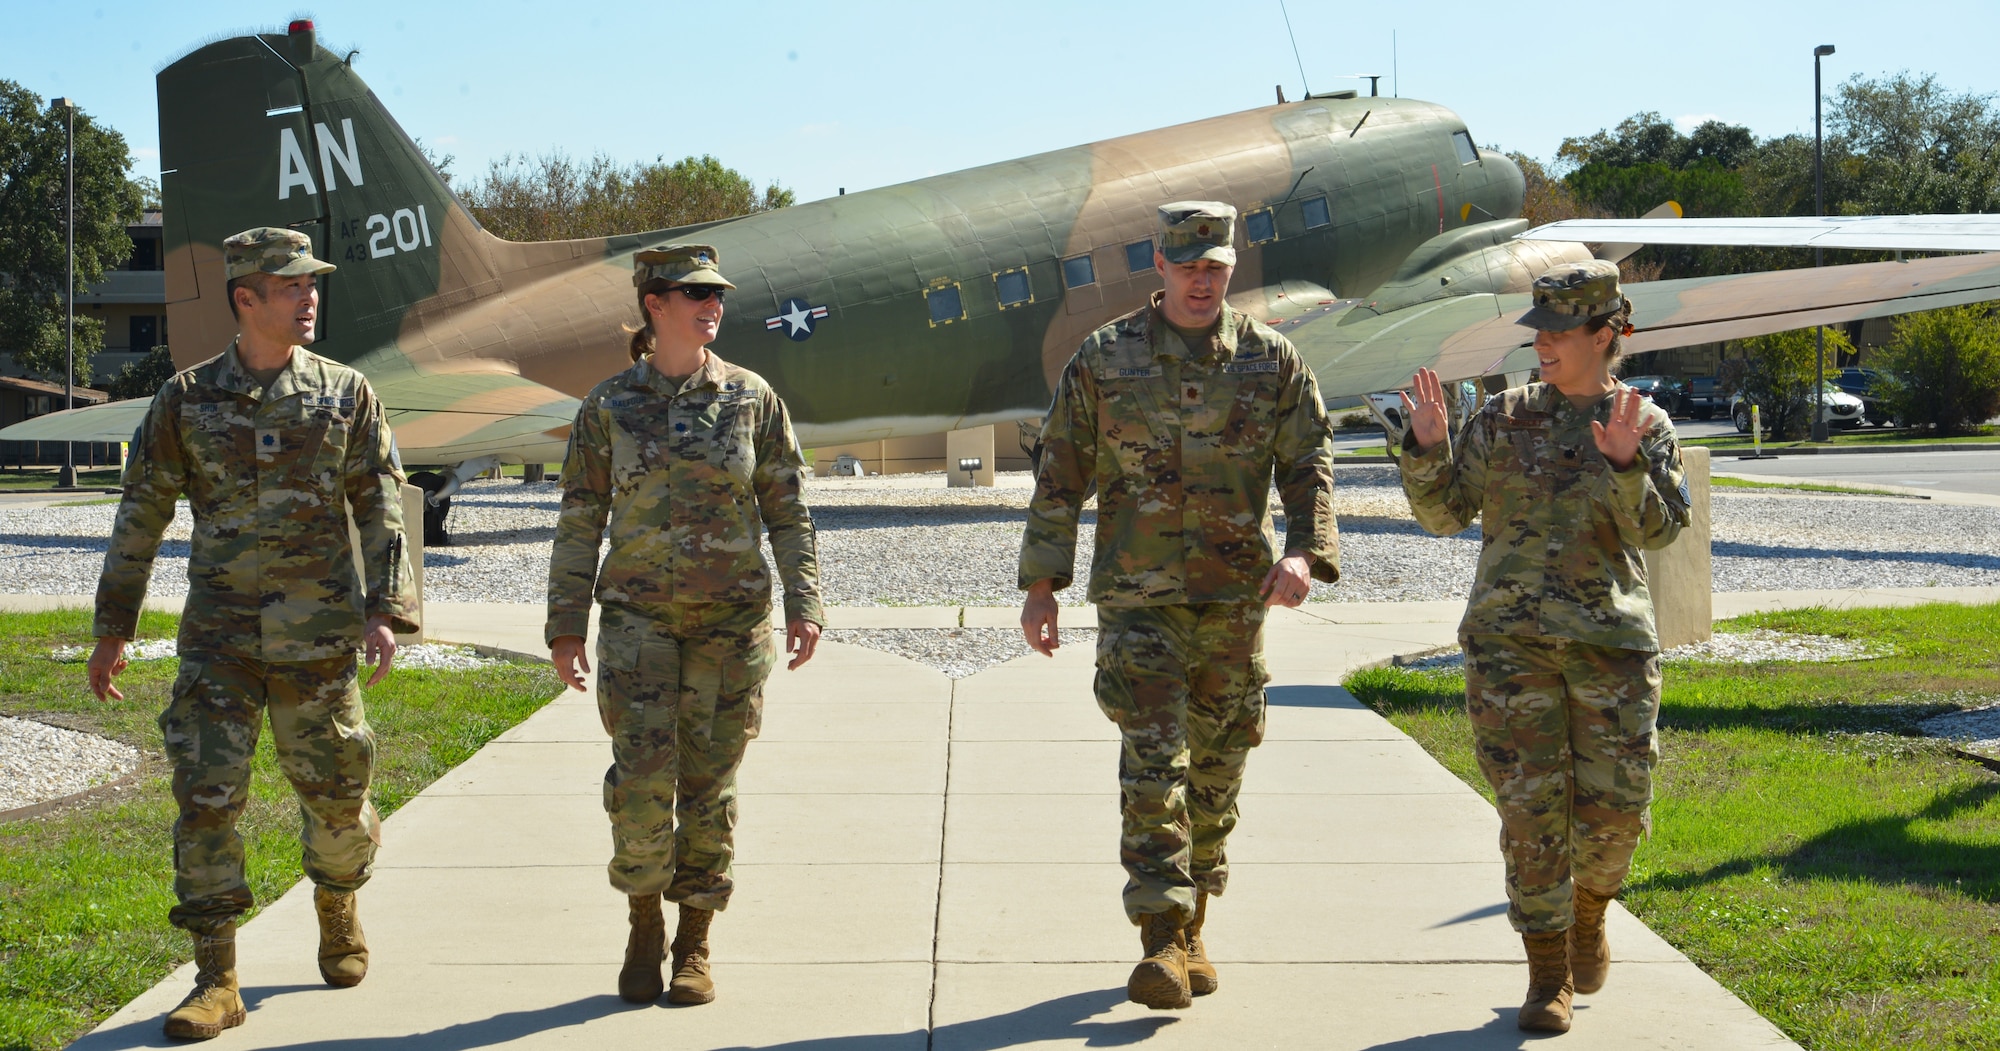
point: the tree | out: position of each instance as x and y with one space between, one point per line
1942 369
32 195
142 378
1776 374
554 197
1909 146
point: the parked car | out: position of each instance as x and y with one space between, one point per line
1664 391
1861 384
1703 398
1842 410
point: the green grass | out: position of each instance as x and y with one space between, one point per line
1810 851
1725 482
29 481
84 892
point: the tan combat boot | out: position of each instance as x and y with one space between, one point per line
1589 951
215 1004
691 984
1549 987
343 950
1201 974
639 980
1161 979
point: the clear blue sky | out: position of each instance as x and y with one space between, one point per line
822 95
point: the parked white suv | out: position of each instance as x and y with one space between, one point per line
1842 410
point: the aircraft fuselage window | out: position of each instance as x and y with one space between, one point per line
1462 142
1139 255
1259 227
1315 212
1077 272
946 306
1012 287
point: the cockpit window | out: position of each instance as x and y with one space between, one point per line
1462 142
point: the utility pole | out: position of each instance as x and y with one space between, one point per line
67 479
1819 431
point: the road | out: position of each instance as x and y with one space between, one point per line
1956 472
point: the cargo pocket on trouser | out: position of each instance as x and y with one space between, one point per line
210 730
638 691
743 682
1225 721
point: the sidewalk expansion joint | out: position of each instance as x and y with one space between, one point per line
944 822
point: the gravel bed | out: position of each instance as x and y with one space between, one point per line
957 652
1755 645
39 762
1975 729
912 541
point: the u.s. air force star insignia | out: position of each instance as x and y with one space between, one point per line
797 318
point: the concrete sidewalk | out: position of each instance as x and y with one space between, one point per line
929 863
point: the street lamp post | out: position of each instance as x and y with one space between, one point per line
1819 432
67 479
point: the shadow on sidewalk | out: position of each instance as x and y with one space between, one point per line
1065 1018
464 1036
1498 1033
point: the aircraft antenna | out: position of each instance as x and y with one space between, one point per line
1295 47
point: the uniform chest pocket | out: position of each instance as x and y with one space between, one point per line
639 435
1135 422
1252 399
1522 443
216 439
735 428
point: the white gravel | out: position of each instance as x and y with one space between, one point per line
912 541
1975 729
39 762
957 652
1755 645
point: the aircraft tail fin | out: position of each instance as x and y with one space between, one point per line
274 130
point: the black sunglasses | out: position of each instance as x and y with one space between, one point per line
699 293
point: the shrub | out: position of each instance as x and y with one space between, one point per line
1776 374
1941 372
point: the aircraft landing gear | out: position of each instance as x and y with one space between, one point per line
434 532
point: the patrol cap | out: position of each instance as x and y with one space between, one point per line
681 264
1573 293
1191 230
270 250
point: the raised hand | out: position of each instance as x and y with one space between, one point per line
1429 422
1619 440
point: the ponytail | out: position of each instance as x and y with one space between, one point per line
642 340
642 335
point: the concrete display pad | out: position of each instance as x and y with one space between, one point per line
930 864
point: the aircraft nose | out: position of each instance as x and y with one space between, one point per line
1506 189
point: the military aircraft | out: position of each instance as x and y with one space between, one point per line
1374 233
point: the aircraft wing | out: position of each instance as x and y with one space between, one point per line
1357 351
453 417
437 419
113 421
1882 233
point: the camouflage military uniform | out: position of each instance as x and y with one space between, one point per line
1180 445
1562 659
686 477
275 608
